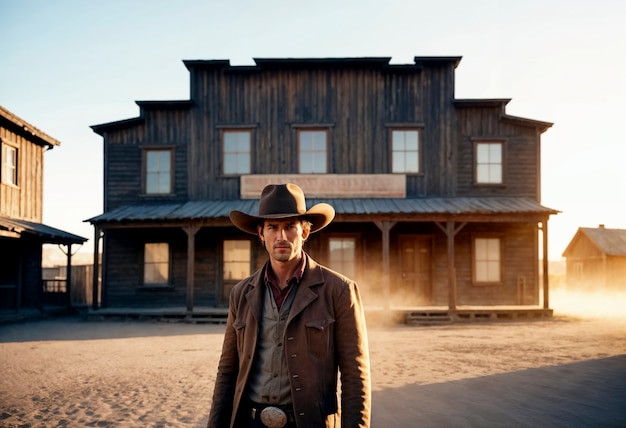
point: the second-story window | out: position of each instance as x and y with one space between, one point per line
158 171
236 152
489 162
9 165
312 149
405 151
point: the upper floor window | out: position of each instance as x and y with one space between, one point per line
236 152
156 264
405 151
158 171
9 165
313 151
487 260
489 163
342 255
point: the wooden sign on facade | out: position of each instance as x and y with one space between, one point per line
330 185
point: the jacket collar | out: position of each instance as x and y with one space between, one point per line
305 294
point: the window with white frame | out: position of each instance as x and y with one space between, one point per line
158 171
405 151
487 260
342 255
236 152
312 148
156 264
9 165
489 163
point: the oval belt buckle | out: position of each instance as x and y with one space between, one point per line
273 417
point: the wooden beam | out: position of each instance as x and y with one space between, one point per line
385 227
450 232
96 268
546 286
68 276
191 231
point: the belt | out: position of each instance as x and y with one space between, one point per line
272 416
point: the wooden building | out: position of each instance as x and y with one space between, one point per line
21 209
596 260
437 198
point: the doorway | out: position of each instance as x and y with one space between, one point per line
414 286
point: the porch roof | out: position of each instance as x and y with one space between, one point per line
344 208
48 234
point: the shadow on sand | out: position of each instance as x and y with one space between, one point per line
587 394
77 328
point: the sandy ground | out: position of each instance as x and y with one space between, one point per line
569 371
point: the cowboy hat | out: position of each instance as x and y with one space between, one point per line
279 201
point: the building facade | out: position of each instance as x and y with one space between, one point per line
22 233
596 260
437 199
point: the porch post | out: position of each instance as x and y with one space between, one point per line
451 266
546 287
191 261
385 227
96 268
68 276
450 232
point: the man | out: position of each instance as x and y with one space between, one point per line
292 325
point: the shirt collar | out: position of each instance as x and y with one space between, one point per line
270 278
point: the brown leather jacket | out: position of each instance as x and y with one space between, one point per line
325 332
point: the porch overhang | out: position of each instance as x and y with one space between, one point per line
49 235
214 213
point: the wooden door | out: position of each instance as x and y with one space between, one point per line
415 269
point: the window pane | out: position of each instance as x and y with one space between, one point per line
489 163
487 261
237 260
482 153
343 255
156 264
158 173
405 151
9 165
313 155
410 139
236 150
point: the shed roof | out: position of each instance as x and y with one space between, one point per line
612 242
198 210
48 234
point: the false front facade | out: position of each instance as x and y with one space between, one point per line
437 199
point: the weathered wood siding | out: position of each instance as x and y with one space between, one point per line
590 269
123 156
521 153
24 201
359 105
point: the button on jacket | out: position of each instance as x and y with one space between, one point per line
325 331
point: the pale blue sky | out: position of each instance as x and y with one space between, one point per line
69 64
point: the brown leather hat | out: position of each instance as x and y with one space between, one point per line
280 201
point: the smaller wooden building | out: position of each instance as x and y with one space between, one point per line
22 234
596 259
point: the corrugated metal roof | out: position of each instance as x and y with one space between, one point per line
50 235
610 241
221 208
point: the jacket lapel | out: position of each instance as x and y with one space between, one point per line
305 295
254 296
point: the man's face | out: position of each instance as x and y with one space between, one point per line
283 238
